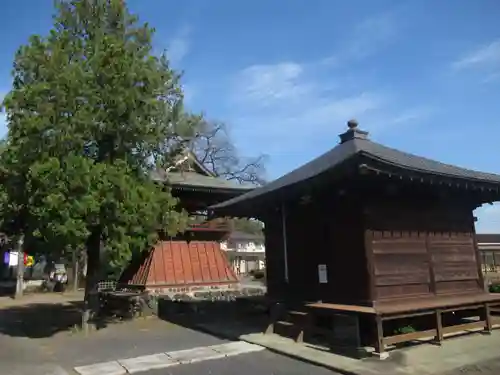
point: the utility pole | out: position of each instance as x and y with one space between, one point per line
20 267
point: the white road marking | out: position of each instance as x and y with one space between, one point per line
104 368
162 360
195 355
147 362
236 348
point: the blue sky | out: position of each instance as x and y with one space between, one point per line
286 75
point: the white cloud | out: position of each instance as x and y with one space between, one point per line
297 104
339 109
370 35
265 83
483 56
488 218
366 38
288 104
292 104
407 116
179 45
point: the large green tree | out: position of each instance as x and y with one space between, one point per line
91 112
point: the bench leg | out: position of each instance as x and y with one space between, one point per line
487 312
379 345
439 327
300 336
303 327
273 318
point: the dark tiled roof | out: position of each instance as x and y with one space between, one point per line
359 145
198 181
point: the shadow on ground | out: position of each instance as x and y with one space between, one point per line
222 319
39 320
6 291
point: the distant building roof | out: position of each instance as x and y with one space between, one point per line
190 174
486 238
242 236
196 181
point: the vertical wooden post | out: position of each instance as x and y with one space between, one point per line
285 241
370 267
432 274
488 325
274 313
439 327
379 345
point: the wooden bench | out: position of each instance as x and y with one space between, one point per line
411 308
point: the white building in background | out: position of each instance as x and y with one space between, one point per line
245 252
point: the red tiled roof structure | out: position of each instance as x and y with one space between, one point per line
181 264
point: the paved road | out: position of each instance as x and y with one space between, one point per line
262 363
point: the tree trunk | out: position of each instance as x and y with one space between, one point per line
76 271
91 302
20 268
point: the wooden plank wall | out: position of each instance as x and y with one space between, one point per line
306 249
401 264
423 257
344 249
454 261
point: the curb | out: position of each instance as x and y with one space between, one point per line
168 359
228 336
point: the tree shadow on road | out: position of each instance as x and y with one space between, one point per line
222 319
39 320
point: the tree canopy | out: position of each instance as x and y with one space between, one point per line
90 113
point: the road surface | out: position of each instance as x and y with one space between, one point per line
261 363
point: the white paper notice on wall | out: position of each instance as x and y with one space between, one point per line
322 274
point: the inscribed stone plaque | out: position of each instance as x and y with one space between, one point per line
322 274
346 330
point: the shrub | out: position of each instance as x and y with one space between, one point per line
495 288
259 274
404 330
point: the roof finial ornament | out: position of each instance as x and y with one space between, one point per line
352 124
353 132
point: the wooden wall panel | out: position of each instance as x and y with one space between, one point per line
457 286
384 292
401 264
422 250
454 261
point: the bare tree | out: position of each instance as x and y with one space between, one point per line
213 147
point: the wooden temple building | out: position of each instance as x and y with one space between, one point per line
192 260
381 241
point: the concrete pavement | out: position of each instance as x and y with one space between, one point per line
169 359
467 351
260 363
